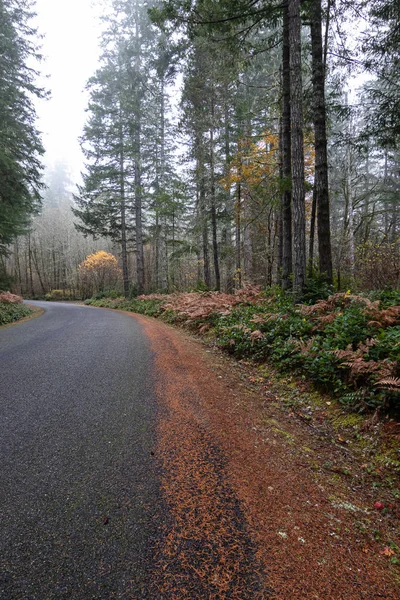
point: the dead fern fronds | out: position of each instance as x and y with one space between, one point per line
347 354
249 293
390 384
376 324
324 320
305 345
383 318
256 335
340 300
359 367
274 317
200 305
364 347
10 298
240 327
319 308
258 319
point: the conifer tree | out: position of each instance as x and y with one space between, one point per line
111 200
382 47
20 144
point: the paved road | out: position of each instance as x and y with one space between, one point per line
79 508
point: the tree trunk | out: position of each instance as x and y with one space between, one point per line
32 290
238 237
386 216
280 214
321 153
36 263
213 204
137 164
204 229
157 234
229 266
163 264
349 216
247 237
124 254
18 265
138 222
202 208
286 145
312 235
298 188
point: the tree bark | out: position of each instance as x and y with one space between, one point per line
32 289
36 263
138 220
124 254
321 153
137 164
296 121
18 265
238 236
312 235
204 229
163 247
229 283
213 204
349 212
286 145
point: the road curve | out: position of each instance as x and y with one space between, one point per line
135 467
80 504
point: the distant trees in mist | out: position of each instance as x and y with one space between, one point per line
222 148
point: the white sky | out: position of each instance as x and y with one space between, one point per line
70 49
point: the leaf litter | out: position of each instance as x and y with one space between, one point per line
233 486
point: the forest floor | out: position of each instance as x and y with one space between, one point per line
323 519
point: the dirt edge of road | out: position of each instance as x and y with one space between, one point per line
315 530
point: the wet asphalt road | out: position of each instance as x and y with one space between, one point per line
79 496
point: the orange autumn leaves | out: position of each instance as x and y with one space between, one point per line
256 165
99 271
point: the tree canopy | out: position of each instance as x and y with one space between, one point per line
20 144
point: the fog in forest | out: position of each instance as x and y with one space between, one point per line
208 145
70 30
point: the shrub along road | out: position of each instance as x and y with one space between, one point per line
135 467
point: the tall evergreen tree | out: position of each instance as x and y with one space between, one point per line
382 47
321 188
102 200
20 144
111 199
297 139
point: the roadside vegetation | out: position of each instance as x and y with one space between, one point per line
12 309
347 345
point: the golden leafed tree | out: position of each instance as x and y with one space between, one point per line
99 271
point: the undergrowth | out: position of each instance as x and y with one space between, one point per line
151 308
347 345
10 312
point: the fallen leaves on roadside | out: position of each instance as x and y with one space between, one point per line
387 551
